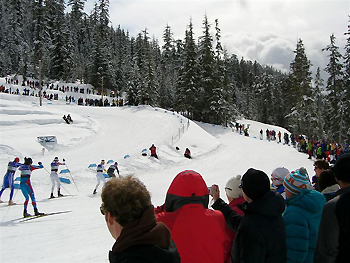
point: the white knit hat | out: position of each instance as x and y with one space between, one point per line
278 175
232 187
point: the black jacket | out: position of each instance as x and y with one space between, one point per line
260 233
146 254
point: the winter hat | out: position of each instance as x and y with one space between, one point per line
342 168
255 184
296 181
232 187
16 159
278 175
116 164
55 159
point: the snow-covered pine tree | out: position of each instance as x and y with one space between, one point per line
347 85
319 107
300 92
336 92
187 94
207 71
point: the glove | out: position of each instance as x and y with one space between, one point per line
63 159
40 163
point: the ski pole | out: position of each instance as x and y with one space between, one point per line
71 176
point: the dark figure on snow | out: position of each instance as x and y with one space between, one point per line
65 119
153 150
187 153
69 118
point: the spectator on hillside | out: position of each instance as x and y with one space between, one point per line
260 233
327 184
153 150
129 215
319 167
187 153
333 244
200 234
302 216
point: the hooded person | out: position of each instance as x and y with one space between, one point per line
199 233
302 216
333 243
260 233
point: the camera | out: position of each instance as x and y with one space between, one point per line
210 190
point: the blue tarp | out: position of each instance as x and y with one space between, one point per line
92 165
110 161
126 156
64 171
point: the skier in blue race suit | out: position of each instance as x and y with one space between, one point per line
9 179
26 186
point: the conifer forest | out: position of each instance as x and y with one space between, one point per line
194 76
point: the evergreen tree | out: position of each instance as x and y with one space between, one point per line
347 86
319 106
300 92
336 92
187 100
207 70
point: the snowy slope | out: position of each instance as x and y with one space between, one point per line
111 133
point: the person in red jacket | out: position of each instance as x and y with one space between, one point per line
153 150
200 234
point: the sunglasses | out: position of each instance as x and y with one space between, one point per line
102 209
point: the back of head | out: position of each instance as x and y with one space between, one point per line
322 164
56 159
232 188
341 168
277 175
28 161
296 181
327 178
255 184
125 199
16 160
187 187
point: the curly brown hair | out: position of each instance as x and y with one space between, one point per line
125 198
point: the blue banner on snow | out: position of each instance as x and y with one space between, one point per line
92 165
64 171
110 161
16 186
106 175
126 156
65 180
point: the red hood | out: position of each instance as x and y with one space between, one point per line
188 183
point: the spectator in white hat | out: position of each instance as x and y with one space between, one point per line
277 177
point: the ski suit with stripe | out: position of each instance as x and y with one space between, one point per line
26 186
9 178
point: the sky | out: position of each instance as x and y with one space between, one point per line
110 133
266 31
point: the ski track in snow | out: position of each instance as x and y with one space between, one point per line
111 133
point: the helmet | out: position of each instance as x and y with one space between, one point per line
16 159
56 158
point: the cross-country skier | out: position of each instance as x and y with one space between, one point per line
111 170
9 179
26 187
54 177
100 177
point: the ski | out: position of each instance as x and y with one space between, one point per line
46 214
57 197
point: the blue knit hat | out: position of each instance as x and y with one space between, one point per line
296 180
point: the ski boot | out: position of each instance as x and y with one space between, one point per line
59 194
52 196
94 192
25 214
37 213
11 202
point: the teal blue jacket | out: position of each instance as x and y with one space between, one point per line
302 220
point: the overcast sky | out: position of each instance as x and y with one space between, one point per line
266 31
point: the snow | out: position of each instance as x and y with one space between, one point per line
111 133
